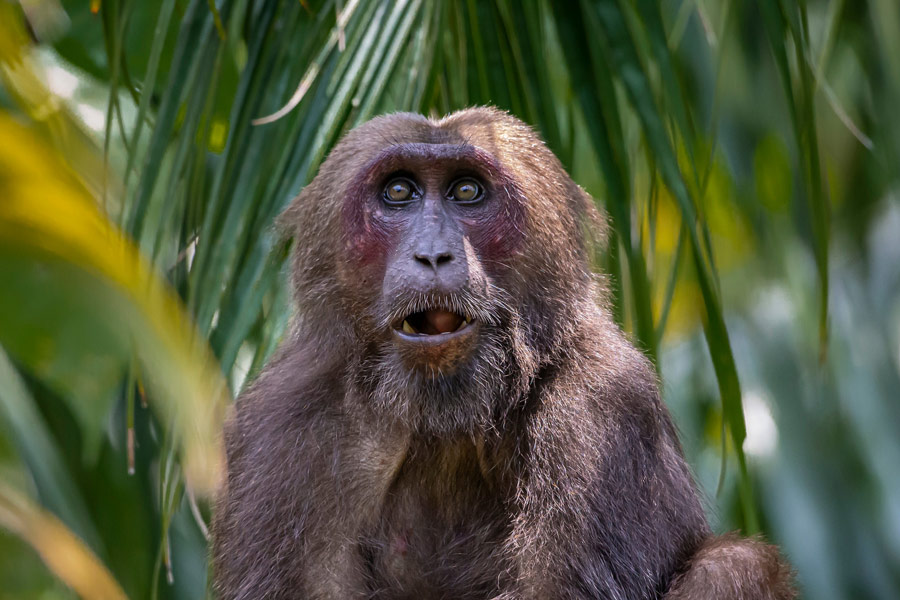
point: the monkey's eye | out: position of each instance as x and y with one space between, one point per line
399 191
466 191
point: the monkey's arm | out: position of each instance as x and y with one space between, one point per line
273 537
608 507
288 522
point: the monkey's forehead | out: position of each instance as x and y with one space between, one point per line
415 156
492 131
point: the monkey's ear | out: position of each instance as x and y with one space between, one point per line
285 225
303 212
592 221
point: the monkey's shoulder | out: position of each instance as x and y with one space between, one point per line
606 382
292 401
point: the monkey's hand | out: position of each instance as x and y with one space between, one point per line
732 568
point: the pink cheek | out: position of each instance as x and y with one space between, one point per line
367 240
495 241
368 249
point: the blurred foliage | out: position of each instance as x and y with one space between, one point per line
745 152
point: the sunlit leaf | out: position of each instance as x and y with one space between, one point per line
61 551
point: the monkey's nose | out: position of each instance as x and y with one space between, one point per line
433 259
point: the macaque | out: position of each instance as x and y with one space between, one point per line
454 413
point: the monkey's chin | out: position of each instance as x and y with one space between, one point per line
440 353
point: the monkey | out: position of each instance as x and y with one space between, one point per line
454 412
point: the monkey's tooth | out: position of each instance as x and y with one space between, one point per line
407 327
461 325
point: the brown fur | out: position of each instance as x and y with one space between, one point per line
538 464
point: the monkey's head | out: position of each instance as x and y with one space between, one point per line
445 261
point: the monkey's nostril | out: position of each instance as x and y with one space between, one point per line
423 259
433 260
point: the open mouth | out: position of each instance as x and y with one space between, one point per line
434 322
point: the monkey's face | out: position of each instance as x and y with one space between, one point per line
434 223
443 260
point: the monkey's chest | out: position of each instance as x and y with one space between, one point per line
440 535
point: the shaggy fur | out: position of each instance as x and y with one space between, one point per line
542 465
